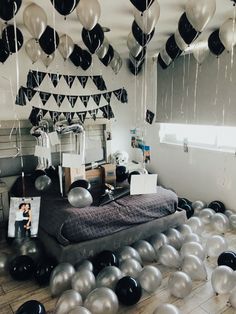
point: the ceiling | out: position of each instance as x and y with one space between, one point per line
118 16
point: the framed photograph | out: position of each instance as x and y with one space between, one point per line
23 217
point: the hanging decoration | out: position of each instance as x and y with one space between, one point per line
172 48
49 40
35 20
214 43
142 5
9 9
106 60
88 12
66 46
4 53
93 39
64 7
33 50
13 38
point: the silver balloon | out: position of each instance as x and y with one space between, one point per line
192 237
232 299
31 248
201 52
35 20
232 221
83 282
60 279
222 279
206 215
193 248
175 238
227 34
165 57
3 263
80 197
180 284
220 222
128 252
179 41
84 265
103 49
88 12
194 267
66 46
196 224
130 267
108 277
47 59
169 256
68 301
166 308
147 20
116 62
184 229
42 183
145 250
133 46
158 240
33 50
150 278
101 301
199 13
199 205
79 310
216 245
229 212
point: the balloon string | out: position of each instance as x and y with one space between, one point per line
17 60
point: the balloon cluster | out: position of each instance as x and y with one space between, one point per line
146 15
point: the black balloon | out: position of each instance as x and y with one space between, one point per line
80 184
171 47
4 53
214 43
161 62
31 307
134 69
9 8
103 259
142 5
65 7
12 38
49 40
108 56
36 174
141 55
93 39
227 258
142 38
189 210
21 267
43 270
131 174
121 173
186 30
183 201
217 206
86 60
128 290
76 55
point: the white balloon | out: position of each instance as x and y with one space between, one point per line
193 248
200 53
184 229
179 41
128 252
169 256
196 224
199 13
60 279
180 284
108 277
199 205
116 62
83 282
206 215
84 265
192 237
88 12
194 267
145 250
232 298
216 245
66 46
33 50
67 301
147 20
227 34
130 267
165 57
150 278
35 20
232 221
222 279
166 308
133 46
220 222
102 50
175 238
158 240
47 59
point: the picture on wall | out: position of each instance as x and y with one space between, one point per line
23 217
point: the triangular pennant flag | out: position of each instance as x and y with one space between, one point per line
99 82
83 80
55 78
20 97
38 78
82 115
72 100
55 115
69 116
107 97
59 99
118 93
33 116
31 80
107 112
96 98
41 114
29 92
44 112
69 79
85 100
93 113
44 97
124 96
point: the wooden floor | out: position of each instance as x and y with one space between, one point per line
202 300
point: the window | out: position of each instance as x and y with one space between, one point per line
209 137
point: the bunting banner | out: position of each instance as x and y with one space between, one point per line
27 93
35 78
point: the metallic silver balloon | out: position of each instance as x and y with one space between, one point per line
222 279
83 281
103 49
227 34
229 212
60 279
201 52
232 221
192 237
194 267
101 301
116 62
80 197
108 277
35 20
166 308
199 205
66 46
33 50
145 250
232 299
79 310
206 215
216 245
84 265
31 248
68 301
175 238
3 263
133 46
47 59
220 223
88 12
150 278
42 183
128 252
180 284
165 57
193 248
158 240
196 224
147 20
130 267
179 41
184 229
169 256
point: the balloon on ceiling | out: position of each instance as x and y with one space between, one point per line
9 9
49 40
35 20
12 38
64 7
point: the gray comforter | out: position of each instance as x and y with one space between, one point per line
68 224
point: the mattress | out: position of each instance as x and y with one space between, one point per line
72 225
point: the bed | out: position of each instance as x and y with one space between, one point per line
73 234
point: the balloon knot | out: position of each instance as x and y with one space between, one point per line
47 56
65 18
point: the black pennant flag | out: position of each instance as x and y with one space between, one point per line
149 116
93 113
55 78
69 79
37 115
107 97
29 93
107 112
118 93
55 115
124 96
82 115
35 78
69 116
44 97
72 100
20 97
85 100
99 82
59 99
96 98
83 80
